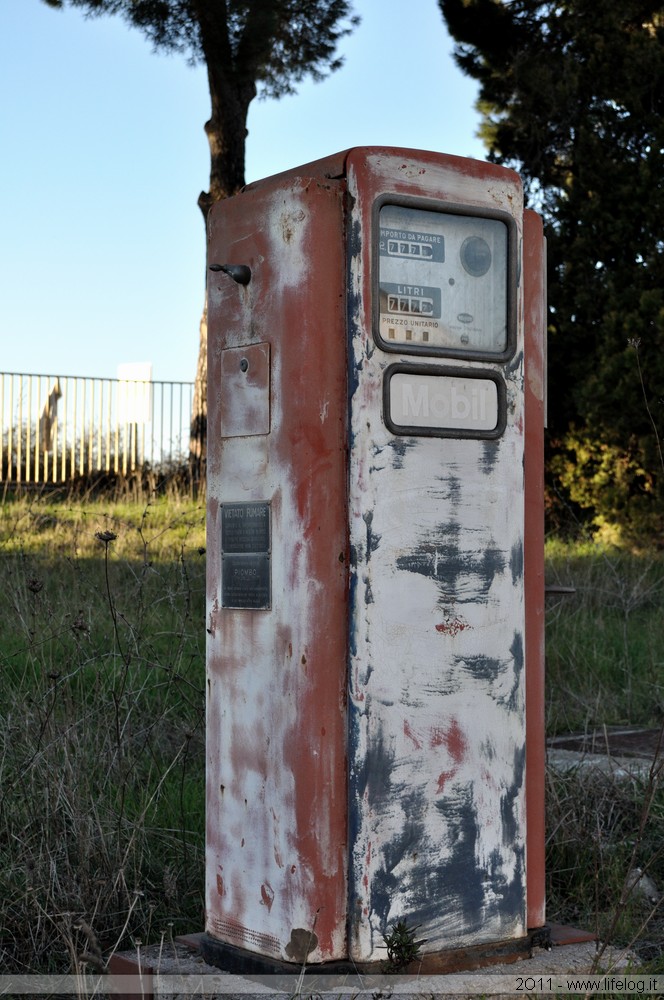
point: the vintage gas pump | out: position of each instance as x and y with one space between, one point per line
375 582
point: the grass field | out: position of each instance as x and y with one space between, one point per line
102 663
605 643
102 655
605 667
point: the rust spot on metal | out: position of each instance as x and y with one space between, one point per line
267 895
443 778
408 732
289 224
301 944
220 884
452 626
452 738
214 611
456 745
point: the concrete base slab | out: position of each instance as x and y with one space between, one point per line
160 969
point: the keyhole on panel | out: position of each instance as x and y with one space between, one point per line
244 365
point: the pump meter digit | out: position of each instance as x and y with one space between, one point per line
445 281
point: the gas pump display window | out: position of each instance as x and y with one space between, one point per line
443 282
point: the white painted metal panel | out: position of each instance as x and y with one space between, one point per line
437 718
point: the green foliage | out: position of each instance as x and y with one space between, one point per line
275 43
402 948
246 47
572 95
604 668
614 485
604 642
102 757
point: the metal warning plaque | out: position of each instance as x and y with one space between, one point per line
245 555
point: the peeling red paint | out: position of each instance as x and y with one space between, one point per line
452 626
535 366
408 732
420 709
358 693
456 745
213 618
444 778
452 738
267 895
278 670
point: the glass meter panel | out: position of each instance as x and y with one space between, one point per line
443 282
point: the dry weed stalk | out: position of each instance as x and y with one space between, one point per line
101 731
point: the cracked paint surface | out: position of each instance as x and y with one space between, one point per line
276 753
437 721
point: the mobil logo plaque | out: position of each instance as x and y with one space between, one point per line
444 402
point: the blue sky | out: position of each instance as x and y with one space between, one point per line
103 155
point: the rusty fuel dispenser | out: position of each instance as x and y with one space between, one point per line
375 565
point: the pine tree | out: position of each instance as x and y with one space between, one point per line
572 95
248 47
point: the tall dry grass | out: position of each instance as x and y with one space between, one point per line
102 763
605 668
101 726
